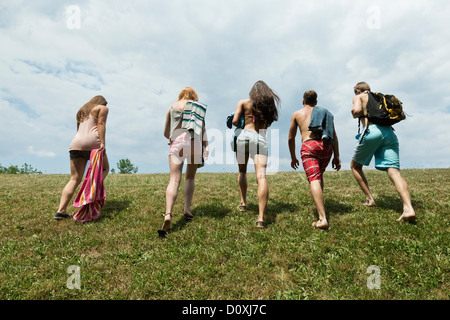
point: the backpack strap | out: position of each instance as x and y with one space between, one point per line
359 123
364 116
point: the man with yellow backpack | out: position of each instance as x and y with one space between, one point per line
377 113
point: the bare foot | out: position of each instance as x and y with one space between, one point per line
166 225
167 221
242 207
320 224
369 203
188 216
260 224
407 217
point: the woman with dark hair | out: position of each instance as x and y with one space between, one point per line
259 111
91 130
185 130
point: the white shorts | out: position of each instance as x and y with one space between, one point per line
252 143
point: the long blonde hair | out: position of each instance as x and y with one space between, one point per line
85 110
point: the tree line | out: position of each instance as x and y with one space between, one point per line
124 166
25 169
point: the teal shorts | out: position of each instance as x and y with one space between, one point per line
382 143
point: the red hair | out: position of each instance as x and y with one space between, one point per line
188 94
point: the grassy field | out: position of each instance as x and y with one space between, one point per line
220 255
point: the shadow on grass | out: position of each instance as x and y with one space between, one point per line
338 208
112 208
394 203
216 211
332 208
274 208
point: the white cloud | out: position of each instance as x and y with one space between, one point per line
41 153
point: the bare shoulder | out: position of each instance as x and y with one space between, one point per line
301 112
245 104
296 118
99 109
299 115
178 105
362 97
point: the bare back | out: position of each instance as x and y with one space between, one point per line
303 119
251 122
359 107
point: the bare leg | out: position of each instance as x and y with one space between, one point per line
317 195
403 191
362 181
263 186
189 189
242 179
176 169
77 167
105 166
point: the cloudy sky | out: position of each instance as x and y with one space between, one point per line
56 55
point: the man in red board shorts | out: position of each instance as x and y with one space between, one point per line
319 143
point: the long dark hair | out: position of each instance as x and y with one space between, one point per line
264 102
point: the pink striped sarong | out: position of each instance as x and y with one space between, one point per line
92 194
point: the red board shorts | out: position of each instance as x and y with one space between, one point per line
316 155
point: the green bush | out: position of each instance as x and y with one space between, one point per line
25 169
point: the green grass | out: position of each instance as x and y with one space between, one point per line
220 254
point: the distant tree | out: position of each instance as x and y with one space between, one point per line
28 169
25 169
125 166
113 171
9 170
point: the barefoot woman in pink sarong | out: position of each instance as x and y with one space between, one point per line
91 129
